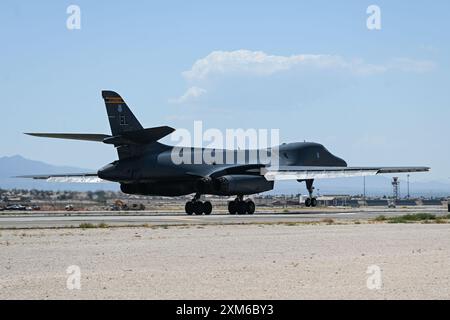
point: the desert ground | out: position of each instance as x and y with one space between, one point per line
252 261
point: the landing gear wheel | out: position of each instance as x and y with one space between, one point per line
189 208
232 207
198 208
207 207
250 206
241 207
308 202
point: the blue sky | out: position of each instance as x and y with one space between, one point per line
311 69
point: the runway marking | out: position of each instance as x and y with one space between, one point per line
185 219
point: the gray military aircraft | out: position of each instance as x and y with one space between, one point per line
146 167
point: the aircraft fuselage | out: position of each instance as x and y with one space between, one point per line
155 172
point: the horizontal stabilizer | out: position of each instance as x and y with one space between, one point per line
141 136
72 136
67 178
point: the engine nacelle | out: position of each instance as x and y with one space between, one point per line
242 184
204 185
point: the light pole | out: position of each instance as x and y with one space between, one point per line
408 184
364 187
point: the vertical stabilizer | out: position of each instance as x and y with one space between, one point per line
121 119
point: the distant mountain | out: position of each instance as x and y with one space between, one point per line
375 185
18 165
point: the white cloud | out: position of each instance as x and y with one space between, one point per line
192 93
410 65
261 64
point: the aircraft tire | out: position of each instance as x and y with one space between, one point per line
308 202
189 208
198 208
207 207
241 207
313 202
232 207
250 206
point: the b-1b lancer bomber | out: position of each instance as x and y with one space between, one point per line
146 167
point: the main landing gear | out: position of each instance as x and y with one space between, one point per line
198 207
240 206
311 201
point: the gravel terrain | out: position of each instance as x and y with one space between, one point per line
228 262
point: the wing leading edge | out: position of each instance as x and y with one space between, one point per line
305 173
67 178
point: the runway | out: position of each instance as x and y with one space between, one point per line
75 219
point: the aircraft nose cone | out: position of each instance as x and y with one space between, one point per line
341 162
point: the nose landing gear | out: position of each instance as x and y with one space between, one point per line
311 201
